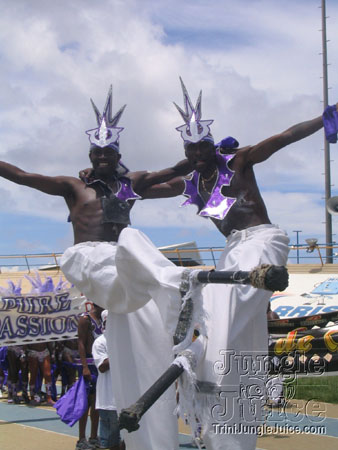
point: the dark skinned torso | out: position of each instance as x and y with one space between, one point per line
249 209
86 214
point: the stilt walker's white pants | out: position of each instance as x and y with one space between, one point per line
139 347
140 288
238 339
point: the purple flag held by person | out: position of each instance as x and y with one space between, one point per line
3 358
330 120
73 404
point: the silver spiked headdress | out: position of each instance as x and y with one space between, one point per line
107 133
194 129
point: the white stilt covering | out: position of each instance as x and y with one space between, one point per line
140 288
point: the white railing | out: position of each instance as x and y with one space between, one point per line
208 256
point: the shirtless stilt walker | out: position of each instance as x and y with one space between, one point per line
99 211
231 376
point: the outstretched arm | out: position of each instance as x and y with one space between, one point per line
164 190
50 185
142 181
262 151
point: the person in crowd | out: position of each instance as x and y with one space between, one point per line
105 401
89 328
3 370
17 365
68 356
39 356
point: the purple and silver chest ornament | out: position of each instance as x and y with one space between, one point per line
218 205
125 191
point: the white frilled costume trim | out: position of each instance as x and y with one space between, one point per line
142 291
231 378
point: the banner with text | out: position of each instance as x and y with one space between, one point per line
305 351
28 318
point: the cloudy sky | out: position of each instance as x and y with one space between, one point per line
257 62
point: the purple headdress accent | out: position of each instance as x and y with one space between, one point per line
218 206
13 289
121 169
61 285
228 143
107 133
40 287
195 129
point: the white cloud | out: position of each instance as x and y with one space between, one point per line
256 61
296 211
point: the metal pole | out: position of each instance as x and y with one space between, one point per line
297 243
328 217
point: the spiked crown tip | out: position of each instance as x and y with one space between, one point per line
195 129
107 132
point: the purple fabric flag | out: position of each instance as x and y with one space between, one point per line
3 358
73 404
330 120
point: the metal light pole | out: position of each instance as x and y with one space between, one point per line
328 217
297 243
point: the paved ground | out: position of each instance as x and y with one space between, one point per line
28 428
